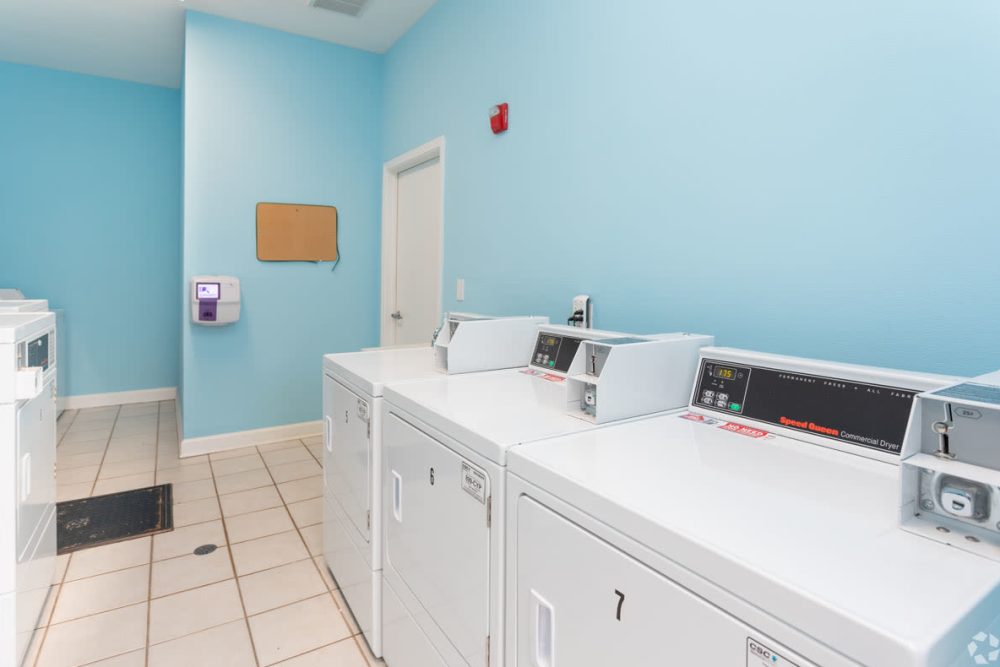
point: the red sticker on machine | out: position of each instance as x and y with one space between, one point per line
701 419
743 430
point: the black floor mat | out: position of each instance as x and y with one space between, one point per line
91 522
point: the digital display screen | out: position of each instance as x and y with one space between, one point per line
208 290
724 373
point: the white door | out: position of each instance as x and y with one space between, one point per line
417 291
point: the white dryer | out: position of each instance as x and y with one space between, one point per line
352 459
24 305
27 476
445 447
758 528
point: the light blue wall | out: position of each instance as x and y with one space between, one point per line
274 117
90 216
813 178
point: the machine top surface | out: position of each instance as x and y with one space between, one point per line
14 326
806 533
23 305
370 370
490 412
983 390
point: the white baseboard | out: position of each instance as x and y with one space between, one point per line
116 398
224 441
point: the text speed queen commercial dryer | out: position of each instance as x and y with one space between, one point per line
352 391
445 445
759 528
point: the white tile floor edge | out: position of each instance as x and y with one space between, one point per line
262 598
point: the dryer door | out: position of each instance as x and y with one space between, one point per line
348 453
36 457
583 603
437 540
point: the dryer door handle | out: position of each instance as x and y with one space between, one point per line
25 477
328 433
543 631
397 496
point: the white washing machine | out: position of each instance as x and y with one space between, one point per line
352 459
445 445
24 306
760 528
27 476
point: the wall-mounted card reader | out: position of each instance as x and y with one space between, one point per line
468 343
950 477
215 300
628 377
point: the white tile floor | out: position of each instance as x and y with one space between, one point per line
263 597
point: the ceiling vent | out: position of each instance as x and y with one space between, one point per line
349 7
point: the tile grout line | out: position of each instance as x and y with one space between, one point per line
62 579
347 622
359 637
232 564
266 466
69 425
107 444
149 582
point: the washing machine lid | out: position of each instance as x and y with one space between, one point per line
15 326
807 534
369 371
489 412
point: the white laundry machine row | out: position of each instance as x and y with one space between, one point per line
759 528
27 476
445 446
352 460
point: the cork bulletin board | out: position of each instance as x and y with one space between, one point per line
296 233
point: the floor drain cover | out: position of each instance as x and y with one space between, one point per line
205 549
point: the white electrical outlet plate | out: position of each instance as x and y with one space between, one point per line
460 289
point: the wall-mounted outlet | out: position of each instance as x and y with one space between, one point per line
582 313
460 289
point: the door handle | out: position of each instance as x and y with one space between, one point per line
25 477
397 496
328 433
543 652
397 316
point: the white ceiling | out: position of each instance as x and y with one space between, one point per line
142 40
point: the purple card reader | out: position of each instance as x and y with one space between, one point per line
208 301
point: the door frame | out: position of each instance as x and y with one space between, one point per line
390 190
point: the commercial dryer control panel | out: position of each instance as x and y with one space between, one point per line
554 351
858 413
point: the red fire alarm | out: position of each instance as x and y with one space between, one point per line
498 118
